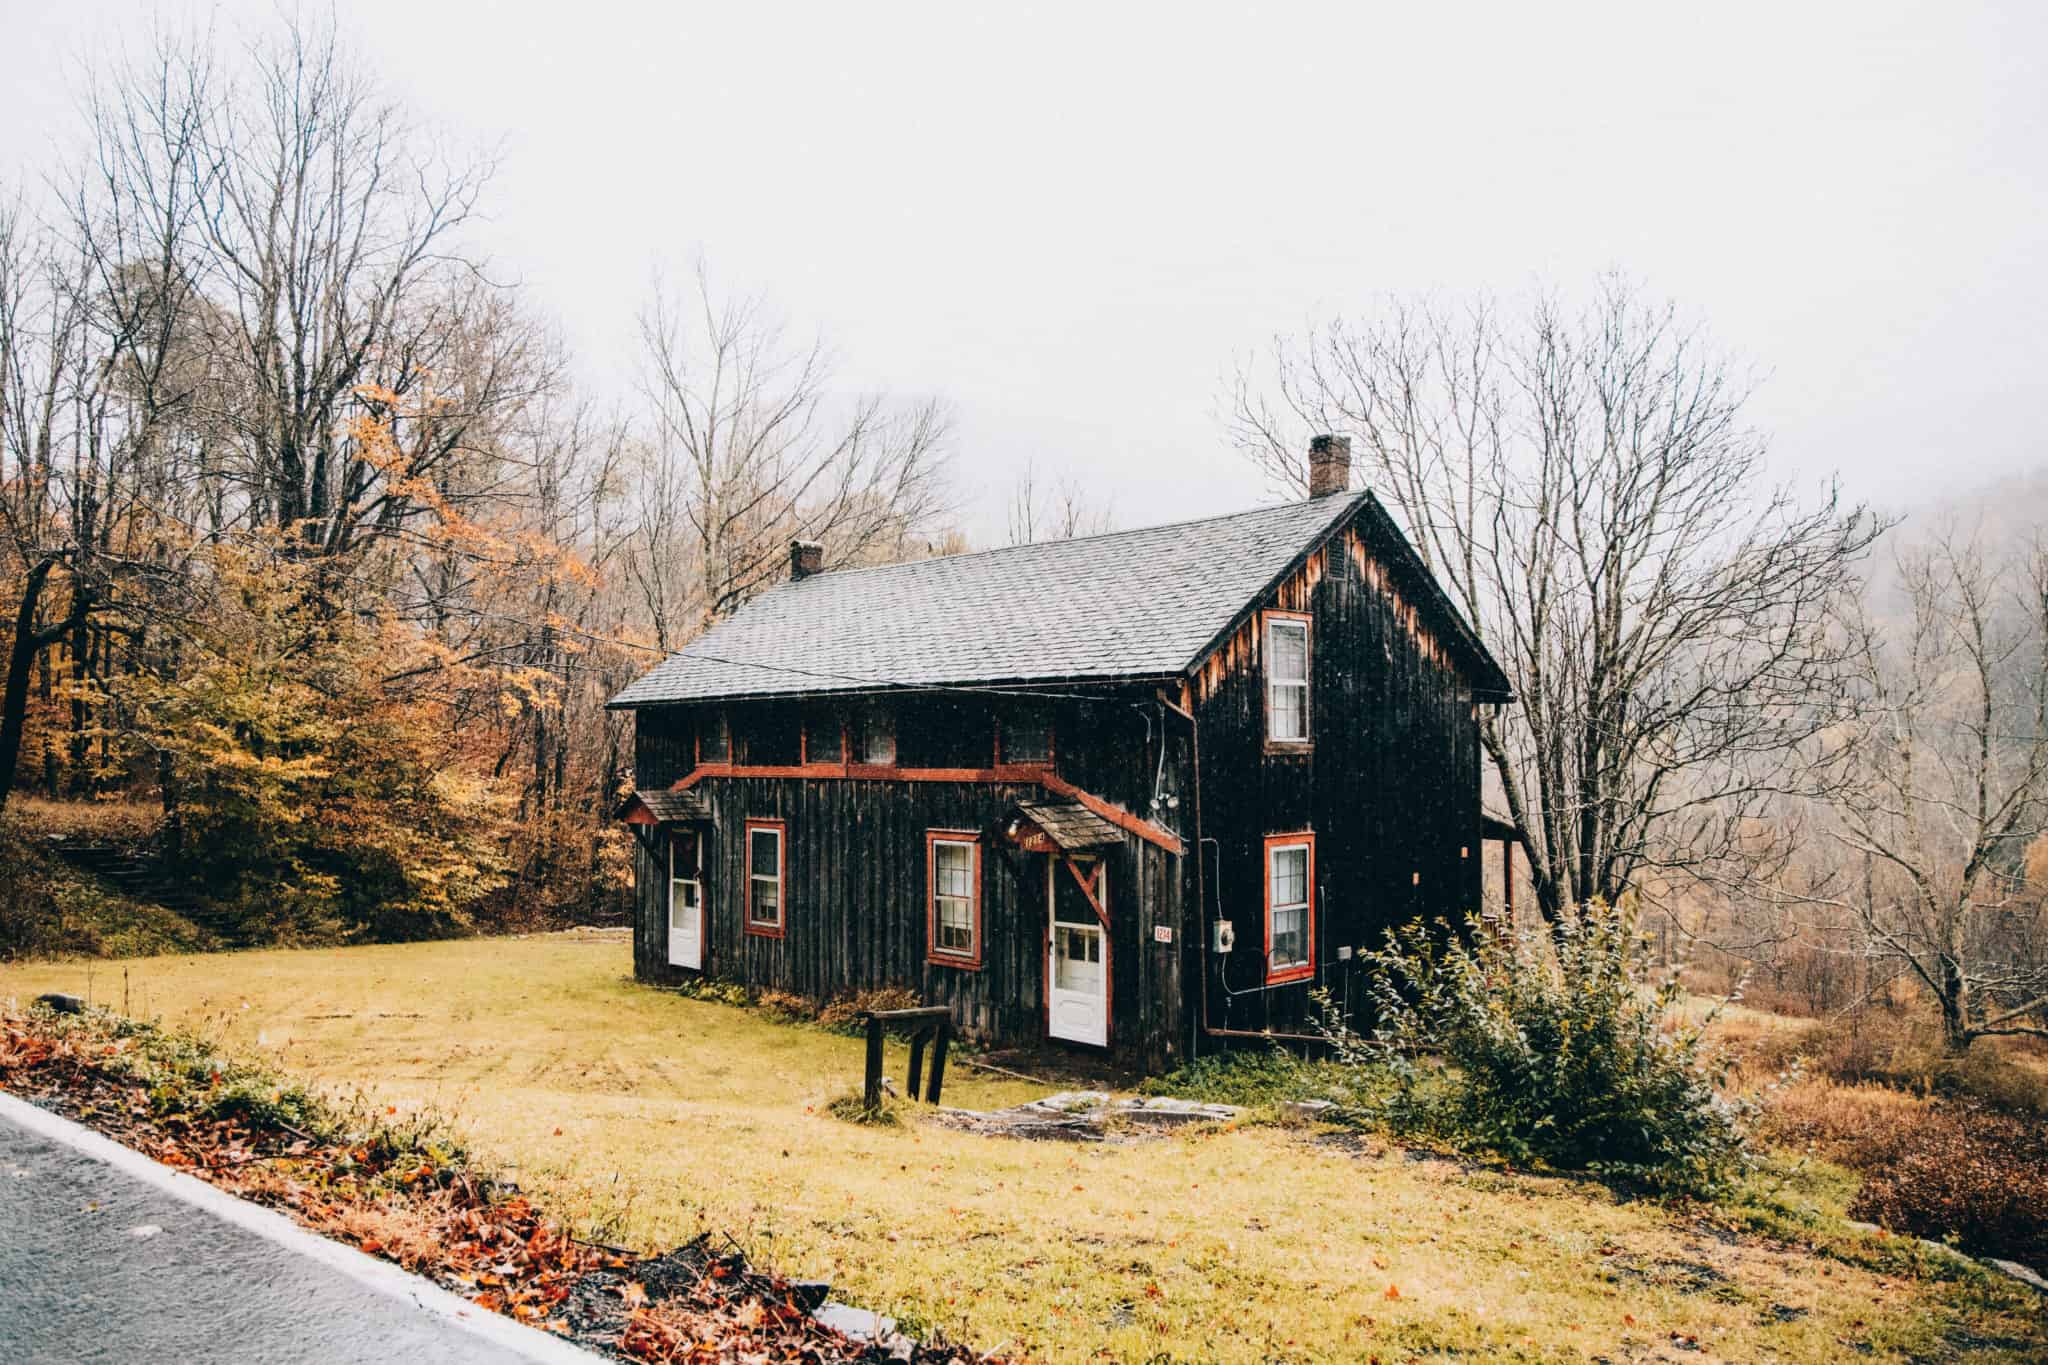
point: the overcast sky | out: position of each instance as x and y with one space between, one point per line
1069 219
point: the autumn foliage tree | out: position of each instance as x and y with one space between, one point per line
312 800
306 536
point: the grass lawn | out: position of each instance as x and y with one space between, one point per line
651 1117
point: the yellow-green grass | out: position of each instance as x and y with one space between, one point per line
648 1117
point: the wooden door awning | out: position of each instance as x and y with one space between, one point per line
662 808
1066 827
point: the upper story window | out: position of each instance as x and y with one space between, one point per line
714 737
824 733
1286 677
766 906
769 735
874 740
1290 907
1027 733
953 871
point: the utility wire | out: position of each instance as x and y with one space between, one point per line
829 676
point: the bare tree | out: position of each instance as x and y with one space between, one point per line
1947 785
1586 488
293 237
748 447
1060 512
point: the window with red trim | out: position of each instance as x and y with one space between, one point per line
1290 907
1287 659
1024 734
767 908
953 899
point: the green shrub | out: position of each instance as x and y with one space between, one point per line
1546 1048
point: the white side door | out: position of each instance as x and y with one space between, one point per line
685 902
1077 966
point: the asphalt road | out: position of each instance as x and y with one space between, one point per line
98 1265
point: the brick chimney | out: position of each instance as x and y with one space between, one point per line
806 557
1329 465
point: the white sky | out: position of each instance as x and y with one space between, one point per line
1069 219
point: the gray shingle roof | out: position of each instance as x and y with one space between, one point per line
1130 604
666 806
1071 825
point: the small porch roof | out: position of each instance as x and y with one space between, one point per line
654 806
1070 825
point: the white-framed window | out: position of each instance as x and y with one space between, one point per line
1290 907
766 907
1286 678
953 867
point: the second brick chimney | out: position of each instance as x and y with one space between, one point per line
806 557
1329 465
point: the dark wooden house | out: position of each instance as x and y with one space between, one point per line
1141 791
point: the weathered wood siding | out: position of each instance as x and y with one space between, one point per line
855 872
1389 784
664 744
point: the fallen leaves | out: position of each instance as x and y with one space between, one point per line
390 1195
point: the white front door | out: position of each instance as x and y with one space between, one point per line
1077 967
685 902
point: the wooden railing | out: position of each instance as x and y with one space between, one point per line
932 1025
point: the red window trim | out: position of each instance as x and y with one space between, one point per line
1052 745
933 953
781 927
1308 633
1307 969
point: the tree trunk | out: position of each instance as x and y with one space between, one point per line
1955 992
20 662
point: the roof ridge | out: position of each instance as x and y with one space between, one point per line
1346 498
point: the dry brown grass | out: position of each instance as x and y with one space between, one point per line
654 1117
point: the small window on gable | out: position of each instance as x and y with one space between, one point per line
953 871
1290 907
766 907
1027 733
1286 678
714 737
875 744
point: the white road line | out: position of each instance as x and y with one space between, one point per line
381 1276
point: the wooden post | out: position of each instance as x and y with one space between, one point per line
871 1098
938 1077
917 1041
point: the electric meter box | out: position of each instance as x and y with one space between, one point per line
1223 936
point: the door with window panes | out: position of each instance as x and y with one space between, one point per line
686 898
1077 966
